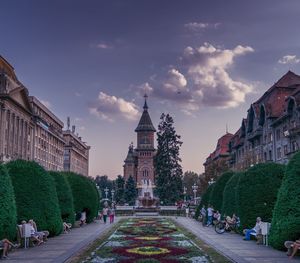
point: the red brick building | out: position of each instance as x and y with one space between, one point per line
139 161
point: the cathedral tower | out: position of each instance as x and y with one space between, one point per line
139 162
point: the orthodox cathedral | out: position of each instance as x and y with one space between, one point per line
139 162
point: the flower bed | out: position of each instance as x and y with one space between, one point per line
147 240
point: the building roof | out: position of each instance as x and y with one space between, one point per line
145 123
222 148
130 155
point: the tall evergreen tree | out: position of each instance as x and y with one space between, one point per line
120 189
167 162
130 191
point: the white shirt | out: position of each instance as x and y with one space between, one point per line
209 211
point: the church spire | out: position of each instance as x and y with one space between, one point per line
145 123
145 104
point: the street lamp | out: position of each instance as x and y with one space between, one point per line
112 195
195 188
184 193
106 192
211 181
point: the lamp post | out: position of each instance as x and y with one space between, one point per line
112 195
211 181
184 193
195 188
106 192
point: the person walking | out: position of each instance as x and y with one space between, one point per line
112 215
210 212
203 215
104 213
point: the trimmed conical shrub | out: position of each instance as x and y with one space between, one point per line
65 197
85 195
35 194
286 216
257 192
216 199
8 213
229 205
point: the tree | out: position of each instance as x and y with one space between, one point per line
217 193
130 191
65 197
104 182
286 215
36 196
205 200
167 162
8 212
189 179
120 189
257 192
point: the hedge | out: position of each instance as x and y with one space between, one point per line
65 197
205 200
36 196
85 195
8 213
229 205
216 199
286 215
257 192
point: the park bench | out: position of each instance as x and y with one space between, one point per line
262 237
24 236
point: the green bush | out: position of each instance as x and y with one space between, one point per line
205 200
36 196
85 195
65 197
216 199
229 205
8 213
257 192
286 214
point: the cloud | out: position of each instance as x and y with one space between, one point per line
78 94
144 88
46 103
289 59
204 79
108 107
207 67
103 45
198 26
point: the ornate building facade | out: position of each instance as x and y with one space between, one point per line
271 130
76 153
139 162
30 131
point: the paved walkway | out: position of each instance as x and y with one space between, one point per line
233 246
59 249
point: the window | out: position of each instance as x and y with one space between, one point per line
278 134
285 149
270 155
279 153
294 146
270 137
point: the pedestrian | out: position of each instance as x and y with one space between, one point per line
210 211
112 215
203 215
104 213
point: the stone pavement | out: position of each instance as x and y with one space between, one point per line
233 246
59 249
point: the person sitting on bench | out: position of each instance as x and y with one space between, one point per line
36 236
292 247
6 245
255 230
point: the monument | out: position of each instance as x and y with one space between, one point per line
139 163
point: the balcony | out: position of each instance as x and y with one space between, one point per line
255 134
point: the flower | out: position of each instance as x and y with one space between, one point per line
148 250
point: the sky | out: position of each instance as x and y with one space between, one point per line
204 62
